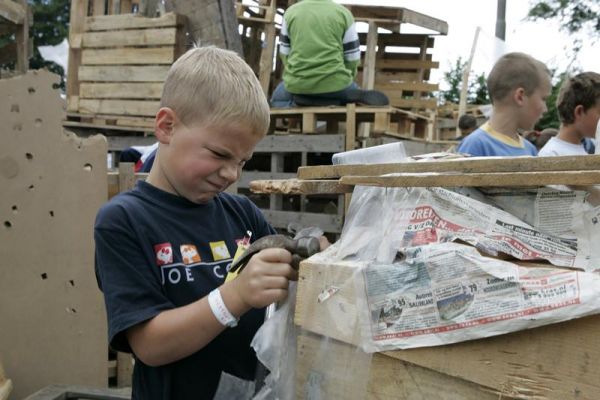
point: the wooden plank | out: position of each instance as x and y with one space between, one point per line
407 86
406 64
249 176
369 58
122 107
295 186
120 90
22 39
466 165
309 123
425 21
127 177
130 56
525 179
77 16
133 37
388 378
124 361
123 73
131 21
397 101
98 7
350 126
398 39
266 58
12 11
299 143
327 110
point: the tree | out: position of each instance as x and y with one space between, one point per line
50 26
579 18
574 15
550 118
476 88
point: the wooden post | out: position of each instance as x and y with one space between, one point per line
124 369
22 37
77 21
126 176
462 105
369 66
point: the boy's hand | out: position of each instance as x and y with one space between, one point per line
265 279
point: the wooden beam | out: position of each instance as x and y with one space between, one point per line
398 39
123 73
131 21
407 64
295 186
425 21
489 179
22 39
409 86
12 11
141 90
119 107
133 37
397 101
128 56
369 58
466 165
77 17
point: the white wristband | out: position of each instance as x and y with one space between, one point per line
219 309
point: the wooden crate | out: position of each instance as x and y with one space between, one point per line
278 157
124 61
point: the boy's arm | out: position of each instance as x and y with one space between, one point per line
180 332
285 45
351 45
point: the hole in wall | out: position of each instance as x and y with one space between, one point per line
31 188
55 86
71 310
29 156
51 213
15 209
87 167
7 224
31 90
44 276
72 282
14 108
37 123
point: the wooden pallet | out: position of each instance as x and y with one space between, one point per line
390 121
124 60
403 77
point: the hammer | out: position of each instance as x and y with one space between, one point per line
300 248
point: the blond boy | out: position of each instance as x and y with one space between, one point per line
578 107
163 249
518 86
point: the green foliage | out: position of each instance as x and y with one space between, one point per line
50 26
476 89
550 118
574 15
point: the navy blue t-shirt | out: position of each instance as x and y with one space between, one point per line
156 251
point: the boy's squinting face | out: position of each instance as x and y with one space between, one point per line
534 105
201 161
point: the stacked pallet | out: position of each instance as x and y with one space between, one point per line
124 61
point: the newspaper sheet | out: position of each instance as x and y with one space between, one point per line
446 293
419 216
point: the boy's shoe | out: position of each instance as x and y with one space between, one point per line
368 97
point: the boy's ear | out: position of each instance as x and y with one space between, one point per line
519 96
578 111
164 124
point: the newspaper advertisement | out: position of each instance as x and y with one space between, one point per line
420 216
447 292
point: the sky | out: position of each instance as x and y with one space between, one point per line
541 39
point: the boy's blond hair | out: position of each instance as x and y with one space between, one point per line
515 70
582 89
212 86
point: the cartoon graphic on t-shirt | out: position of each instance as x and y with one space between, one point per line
189 254
219 250
164 253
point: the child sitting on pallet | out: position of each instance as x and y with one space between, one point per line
578 107
518 86
320 51
164 248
